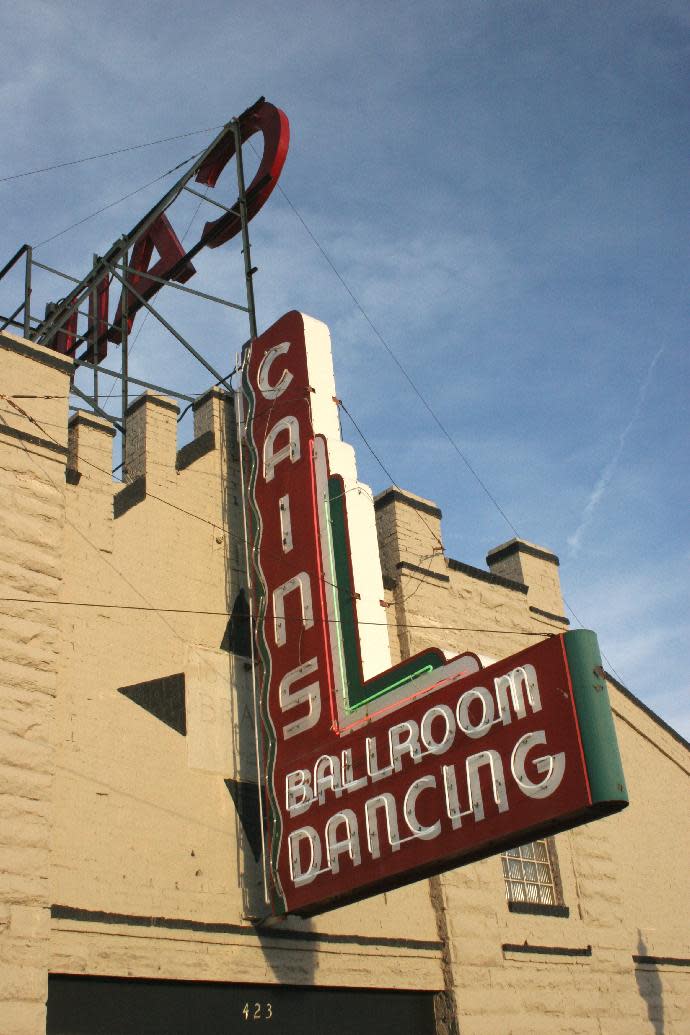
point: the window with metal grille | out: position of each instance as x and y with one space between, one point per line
531 874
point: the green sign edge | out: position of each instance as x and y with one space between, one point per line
597 730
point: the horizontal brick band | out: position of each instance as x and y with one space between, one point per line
397 496
549 614
547 950
407 566
155 400
194 450
517 546
538 909
662 961
96 916
37 353
128 497
33 440
486 576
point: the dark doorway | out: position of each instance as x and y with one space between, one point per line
119 1006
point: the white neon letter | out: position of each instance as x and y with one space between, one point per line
415 789
327 777
349 782
387 802
285 523
493 760
283 381
302 583
437 747
488 711
450 786
349 844
404 739
304 876
553 766
515 682
291 448
310 694
298 792
373 762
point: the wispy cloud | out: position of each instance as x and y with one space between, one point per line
604 480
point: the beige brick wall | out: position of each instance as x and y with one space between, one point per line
126 826
445 603
32 502
625 879
625 882
157 830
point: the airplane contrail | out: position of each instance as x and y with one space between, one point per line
604 480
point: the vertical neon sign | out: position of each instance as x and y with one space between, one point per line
372 781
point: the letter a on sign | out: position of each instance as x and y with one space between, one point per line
163 238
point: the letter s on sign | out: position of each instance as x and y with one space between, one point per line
309 695
273 123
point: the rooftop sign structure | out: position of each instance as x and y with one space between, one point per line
101 308
371 774
372 781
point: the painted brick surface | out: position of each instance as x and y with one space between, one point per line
33 436
113 816
625 879
167 841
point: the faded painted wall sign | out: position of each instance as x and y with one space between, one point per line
372 780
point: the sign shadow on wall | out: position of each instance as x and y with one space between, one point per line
650 988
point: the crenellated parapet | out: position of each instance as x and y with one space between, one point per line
493 612
89 478
199 477
534 566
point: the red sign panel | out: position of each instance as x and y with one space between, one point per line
371 782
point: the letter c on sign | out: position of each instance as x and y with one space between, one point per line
273 124
413 792
273 391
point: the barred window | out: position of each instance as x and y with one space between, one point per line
531 874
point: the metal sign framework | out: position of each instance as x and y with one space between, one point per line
127 264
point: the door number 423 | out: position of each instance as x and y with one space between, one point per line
257 1011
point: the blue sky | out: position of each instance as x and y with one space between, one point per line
501 185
